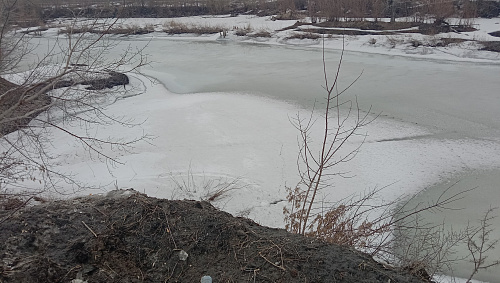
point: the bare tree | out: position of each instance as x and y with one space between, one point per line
468 13
330 10
312 10
377 9
70 85
391 7
317 168
440 9
481 246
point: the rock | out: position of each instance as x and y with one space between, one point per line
183 255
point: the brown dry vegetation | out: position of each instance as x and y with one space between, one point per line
368 25
174 27
493 46
260 33
308 35
129 30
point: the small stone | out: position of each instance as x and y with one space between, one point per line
206 279
183 255
241 233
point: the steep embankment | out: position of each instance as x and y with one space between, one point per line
130 237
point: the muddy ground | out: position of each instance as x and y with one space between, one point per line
130 237
25 108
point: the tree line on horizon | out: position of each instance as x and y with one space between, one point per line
30 12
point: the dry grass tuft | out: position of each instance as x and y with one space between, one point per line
173 27
260 33
307 35
118 30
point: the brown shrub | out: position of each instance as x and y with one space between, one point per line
261 33
308 35
174 27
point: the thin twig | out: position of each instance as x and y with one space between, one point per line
273 264
89 229
15 210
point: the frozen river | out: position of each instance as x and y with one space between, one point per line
456 102
439 122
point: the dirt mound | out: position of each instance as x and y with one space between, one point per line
24 108
493 46
129 237
495 33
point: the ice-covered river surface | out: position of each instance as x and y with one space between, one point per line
439 120
457 103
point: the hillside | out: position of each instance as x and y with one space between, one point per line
130 237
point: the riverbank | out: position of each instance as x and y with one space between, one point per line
410 42
130 237
229 120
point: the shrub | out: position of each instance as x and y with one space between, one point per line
243 31
393 41
174 27
415 42
260 33
119 30
308 35
493 46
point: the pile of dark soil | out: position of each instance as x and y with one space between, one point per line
495 33
442 27
363 27
379 28
493 46
367 25
20 110
113 79
129 237
341 31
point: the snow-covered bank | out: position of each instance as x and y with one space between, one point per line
398 44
